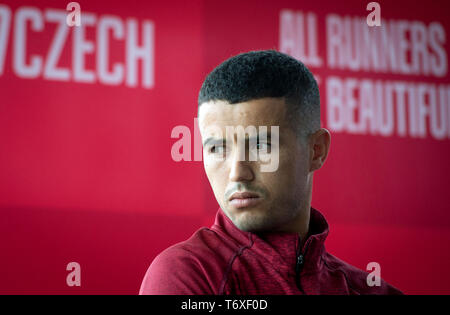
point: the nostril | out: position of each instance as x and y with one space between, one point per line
241 171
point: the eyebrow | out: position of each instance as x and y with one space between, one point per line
212 140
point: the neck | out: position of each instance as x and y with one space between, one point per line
299 224
304 226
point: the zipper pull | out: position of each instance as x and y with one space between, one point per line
299 263
298 268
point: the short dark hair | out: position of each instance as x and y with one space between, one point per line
267 73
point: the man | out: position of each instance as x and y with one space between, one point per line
266 238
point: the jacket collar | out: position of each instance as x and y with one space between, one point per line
281 248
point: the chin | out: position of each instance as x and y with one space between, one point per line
252 223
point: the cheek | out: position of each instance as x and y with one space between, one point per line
217 176
287 164
288 175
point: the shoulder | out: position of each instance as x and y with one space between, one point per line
357 278
194 266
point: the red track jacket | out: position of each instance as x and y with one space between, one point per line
225 260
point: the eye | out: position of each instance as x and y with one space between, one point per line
263 146
216 149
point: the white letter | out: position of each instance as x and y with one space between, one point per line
335 110
335 42
5 19
350 105
73 278
75 15
374 17
422 90
367 107
82 47
198 148
352 43
385 113
241 132
50 69
437 41
388 47
134 52
274 155
116 76
313 57
184 142
412 109
214 131
370 46
374 278
419 50
399 88
20 39
448 112
438 120
403 46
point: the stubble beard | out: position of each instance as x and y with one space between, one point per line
257 220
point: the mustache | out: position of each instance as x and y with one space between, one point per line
241 187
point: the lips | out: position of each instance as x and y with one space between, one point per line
244 199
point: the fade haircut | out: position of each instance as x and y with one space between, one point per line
267 73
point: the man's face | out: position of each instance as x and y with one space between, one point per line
269 201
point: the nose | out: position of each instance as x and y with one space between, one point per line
240 170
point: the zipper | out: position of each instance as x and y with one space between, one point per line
298 269
299 265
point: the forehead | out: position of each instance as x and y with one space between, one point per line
261 112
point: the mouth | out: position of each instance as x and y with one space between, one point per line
244 199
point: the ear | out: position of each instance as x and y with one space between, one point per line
319 145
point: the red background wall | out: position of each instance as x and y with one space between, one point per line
86 172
